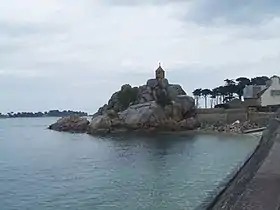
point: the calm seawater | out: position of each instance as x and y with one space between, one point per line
48 170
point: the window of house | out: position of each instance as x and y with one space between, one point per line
275 92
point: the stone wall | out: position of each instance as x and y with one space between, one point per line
211 111
227 116
220 115
212 118
228 192
262 118
236 114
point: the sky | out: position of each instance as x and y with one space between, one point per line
68 54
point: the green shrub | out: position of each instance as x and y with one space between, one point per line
127 95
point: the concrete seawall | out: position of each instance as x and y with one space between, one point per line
227 194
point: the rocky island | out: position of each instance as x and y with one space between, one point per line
155 106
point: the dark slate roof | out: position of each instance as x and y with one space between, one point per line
259 94
275 76
262 92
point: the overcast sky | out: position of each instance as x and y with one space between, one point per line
69 54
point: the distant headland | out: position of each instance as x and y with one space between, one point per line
51 113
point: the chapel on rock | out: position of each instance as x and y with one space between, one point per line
160 73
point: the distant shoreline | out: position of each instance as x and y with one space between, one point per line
33 117
51 113
38 117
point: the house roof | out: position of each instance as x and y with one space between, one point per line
275 76
262 92
259 94
256 93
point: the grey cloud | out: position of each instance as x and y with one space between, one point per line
69 90
17 37
140 2
233 11
12 29
81 62
212 11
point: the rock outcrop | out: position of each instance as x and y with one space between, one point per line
148 116
74 124
155 106
100 124
154 90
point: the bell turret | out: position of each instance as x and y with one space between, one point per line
160 73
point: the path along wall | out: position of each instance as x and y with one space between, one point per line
227 193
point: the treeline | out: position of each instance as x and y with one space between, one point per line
51 113
231 90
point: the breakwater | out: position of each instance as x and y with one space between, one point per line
228 192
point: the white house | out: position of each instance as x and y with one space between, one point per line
251 91
270 95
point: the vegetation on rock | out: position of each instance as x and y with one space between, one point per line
154 90
126 96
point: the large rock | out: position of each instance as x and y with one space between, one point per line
168 110
73 124
152 83
191 123
154 90
157 105
148 114
188 124
162 97
187 103
163 83
100 123
112 114
145 94
177 114
113 101
180 109
174 90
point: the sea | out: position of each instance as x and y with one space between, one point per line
42 169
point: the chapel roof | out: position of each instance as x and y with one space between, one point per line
159 68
